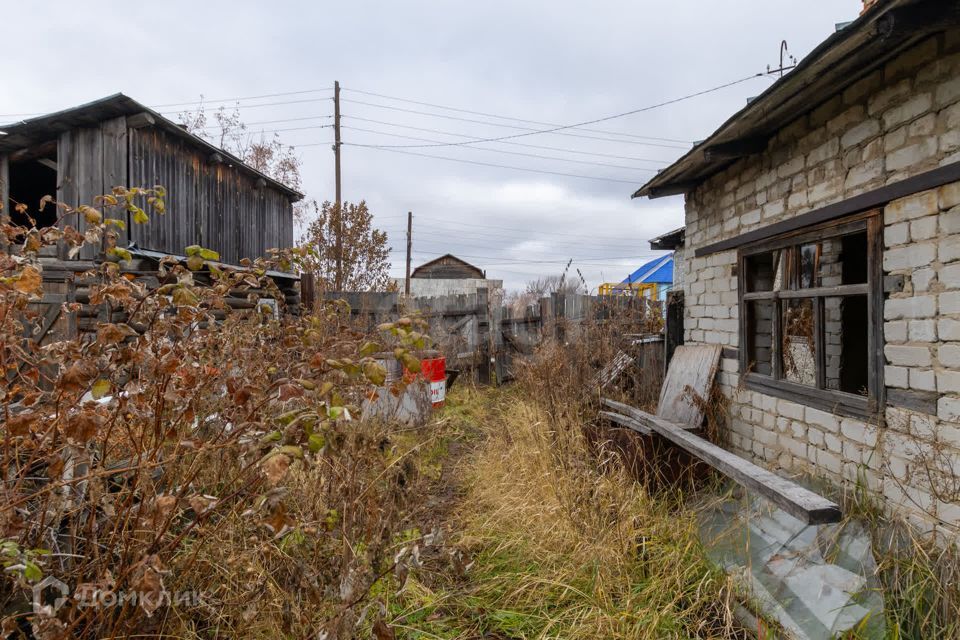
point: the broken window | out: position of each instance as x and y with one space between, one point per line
810 315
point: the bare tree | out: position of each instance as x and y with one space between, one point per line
267 155
562 283
360 262
542 287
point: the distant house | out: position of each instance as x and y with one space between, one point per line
822 251
447 275
651 280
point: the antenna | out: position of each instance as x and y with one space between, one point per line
784 55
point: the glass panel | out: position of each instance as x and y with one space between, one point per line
760 336
798 352
763 271
846 344
809 267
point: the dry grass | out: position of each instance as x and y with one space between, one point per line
560 548
920 576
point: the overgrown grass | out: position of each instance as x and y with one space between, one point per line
559 548
920 576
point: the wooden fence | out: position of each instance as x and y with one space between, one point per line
476 331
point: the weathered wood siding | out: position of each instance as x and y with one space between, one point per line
4 192
210 204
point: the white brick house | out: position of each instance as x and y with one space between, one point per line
822 250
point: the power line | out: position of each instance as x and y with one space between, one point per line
530 131
597 242
256 131
512 153
238 98
590 261
494 115
587 122
496 166
515 144
443 229
480 226
250 124
445 241
254 106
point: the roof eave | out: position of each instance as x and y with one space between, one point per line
841 59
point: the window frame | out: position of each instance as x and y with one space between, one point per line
841 402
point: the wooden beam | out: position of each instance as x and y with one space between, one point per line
48 163
798 501
626 421
42 150
735 149
922 401
863 202
670 190
637 414
140 120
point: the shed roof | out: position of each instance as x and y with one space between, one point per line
446 256
659 271
669 241
25 133
883 31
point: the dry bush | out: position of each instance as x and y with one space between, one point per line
186 476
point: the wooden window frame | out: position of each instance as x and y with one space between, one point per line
868 407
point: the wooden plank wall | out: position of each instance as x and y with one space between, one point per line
90 162
210 204
4 192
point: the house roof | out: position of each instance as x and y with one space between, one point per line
659 271
884 30
670 241
447 256
25 133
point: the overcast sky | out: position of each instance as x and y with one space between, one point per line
555 62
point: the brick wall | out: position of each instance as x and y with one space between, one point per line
899 121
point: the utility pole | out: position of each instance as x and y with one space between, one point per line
406 286
338 281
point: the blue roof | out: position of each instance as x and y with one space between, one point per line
658 270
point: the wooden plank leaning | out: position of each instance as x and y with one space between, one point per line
801 503
625 421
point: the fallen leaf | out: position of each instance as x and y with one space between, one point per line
275 467
29 280
382 630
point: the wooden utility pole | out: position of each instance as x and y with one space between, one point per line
338 281
406 286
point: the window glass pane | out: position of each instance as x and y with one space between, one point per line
798 350
760 336
845 343
809 267
763 271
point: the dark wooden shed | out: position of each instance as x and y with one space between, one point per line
448 267
213 199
